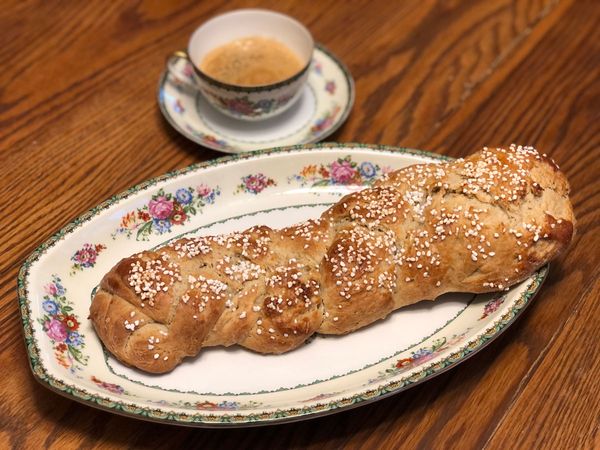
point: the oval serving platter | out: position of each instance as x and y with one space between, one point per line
235 387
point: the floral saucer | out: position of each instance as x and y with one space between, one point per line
323 106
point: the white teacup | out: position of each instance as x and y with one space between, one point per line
247 102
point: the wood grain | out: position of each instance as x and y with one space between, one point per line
562 386
79 123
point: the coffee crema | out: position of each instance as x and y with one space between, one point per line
251 61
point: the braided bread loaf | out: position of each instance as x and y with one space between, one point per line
476 225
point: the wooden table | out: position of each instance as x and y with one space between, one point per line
79 122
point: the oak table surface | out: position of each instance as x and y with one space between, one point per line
79 122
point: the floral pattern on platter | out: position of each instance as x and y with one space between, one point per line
243 106
110 387
421 356
492 306
254 184
321 396
85 257
210 406
211 140
343 171
325 122
166 210
223 406
60 325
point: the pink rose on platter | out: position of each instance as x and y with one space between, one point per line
342 173
86 256
160 207
203 190
50 289
56 330
424 358
114 388
257 183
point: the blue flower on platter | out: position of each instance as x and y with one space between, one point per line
368 170
228 405
184 196
210 198
74 339
162 225
60 290
208 194
50 307
421 353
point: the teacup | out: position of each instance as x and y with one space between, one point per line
249 103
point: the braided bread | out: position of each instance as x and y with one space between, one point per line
477 225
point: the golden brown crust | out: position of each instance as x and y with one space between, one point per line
477 224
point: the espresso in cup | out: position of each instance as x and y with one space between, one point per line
251 64
251 61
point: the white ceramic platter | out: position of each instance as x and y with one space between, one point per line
236 387
322 108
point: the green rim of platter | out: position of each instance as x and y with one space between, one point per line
269 417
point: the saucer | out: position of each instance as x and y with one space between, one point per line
322 107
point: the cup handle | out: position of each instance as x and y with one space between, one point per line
180 76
